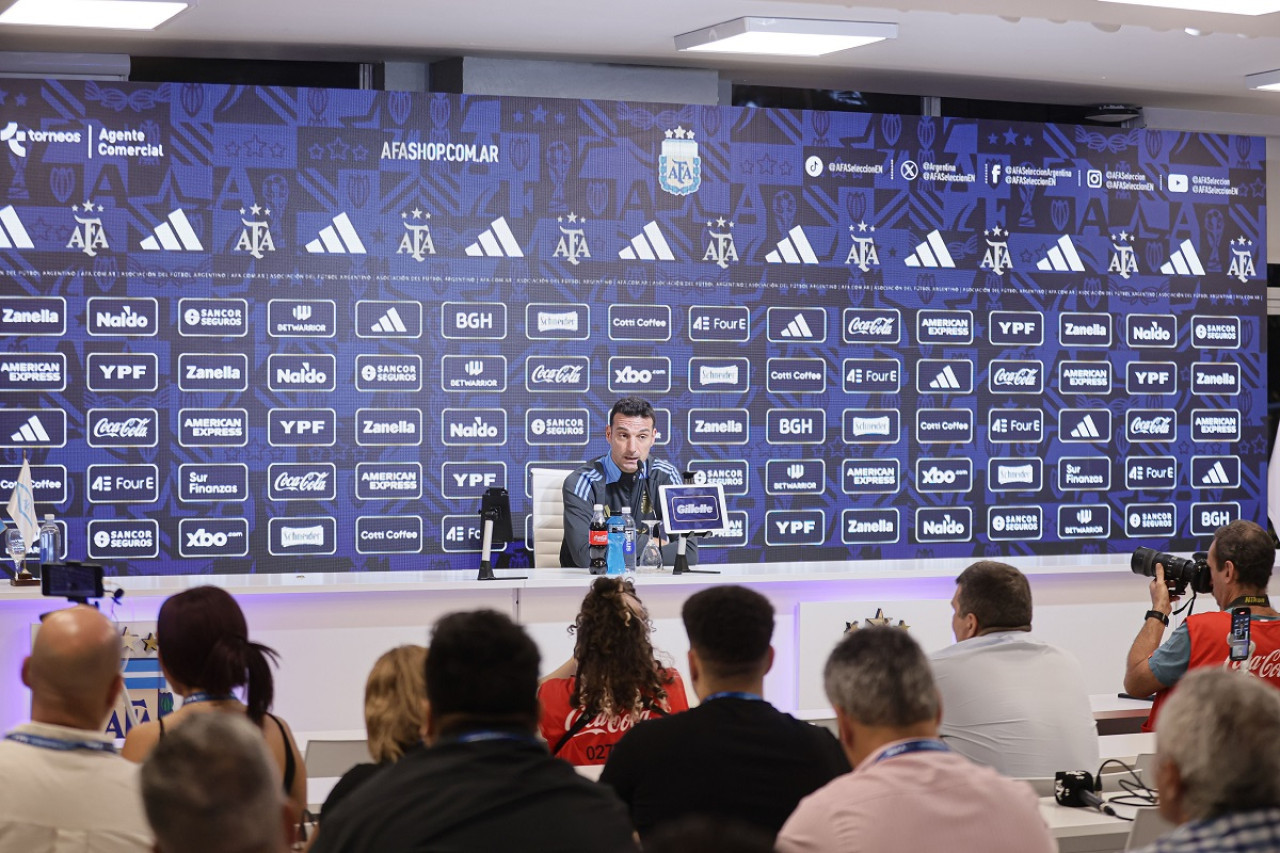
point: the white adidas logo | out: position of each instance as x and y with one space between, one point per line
793 249
1086 429
390 323
32 432
931 253
1062 258
946 380
648 245
496 242
12 234
1185 261
1216 476
340 238
175 234
798 328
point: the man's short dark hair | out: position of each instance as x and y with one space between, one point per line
997 594
632 407
483 666
730 628
1250 548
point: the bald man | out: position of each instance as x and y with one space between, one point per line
62 786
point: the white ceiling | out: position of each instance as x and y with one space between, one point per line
1062 52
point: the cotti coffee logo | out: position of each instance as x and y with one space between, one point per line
795 476
1151 473
1209 380
719 375
1016 328
473 427
1142 520
302 427
213 483
718 323
570 322
944 426
1013 376
388 481
389 373
474 320
468 373
213 372
462 480
213 318
795 527
389 534
1084 329
301 373
302 318
731 474
302 537
870 526
1084 521
1151 331
1212 425
796 376
126 484
123 539
122 428
872 325
316 481
870 476
870 426
1215 332
944 475
944 524
1084 474
944 327
1015 474
633 374
1151 377
377 318
213 427
1150 425
718 426
213 537
557 374
1084 377
1015 426
33 373
122 317
33 316
1015 523
796 426
1206 518
639 322
122 371
557 426
872 375
389 427
48 484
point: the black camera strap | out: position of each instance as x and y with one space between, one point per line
1249 601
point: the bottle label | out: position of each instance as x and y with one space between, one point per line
598 538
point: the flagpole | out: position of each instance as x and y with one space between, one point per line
21 509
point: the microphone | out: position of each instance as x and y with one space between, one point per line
1075 789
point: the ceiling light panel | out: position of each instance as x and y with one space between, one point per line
785 36
93 14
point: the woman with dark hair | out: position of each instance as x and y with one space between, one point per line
613 680
205 654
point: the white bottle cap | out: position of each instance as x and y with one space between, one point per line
626 510
48 516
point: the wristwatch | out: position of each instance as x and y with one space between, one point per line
1156 614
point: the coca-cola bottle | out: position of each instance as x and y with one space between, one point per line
598 539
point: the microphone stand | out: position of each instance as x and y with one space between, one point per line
489 517
681 566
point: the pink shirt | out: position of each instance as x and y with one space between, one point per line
925 800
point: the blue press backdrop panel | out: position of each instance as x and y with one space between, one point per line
243 326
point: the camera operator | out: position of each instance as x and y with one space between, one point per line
1240 562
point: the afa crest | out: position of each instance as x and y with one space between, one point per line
679 166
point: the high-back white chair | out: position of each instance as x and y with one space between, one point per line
548 516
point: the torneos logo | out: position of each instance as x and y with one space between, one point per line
16 137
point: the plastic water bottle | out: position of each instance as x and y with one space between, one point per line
598 540
628 541
50 542
617 536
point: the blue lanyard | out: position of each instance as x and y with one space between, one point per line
909 746
482 737
733 694
208 697
60 745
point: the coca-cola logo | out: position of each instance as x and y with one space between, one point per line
1267 666
565 374
605 724
311 481
1159 425
128 428
1022 377
873 326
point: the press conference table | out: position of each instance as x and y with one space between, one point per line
1085 830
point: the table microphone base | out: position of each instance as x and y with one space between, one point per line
681 565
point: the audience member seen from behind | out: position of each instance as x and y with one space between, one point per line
613 680
908 790
205 654
1240 559
211 786
394 714
1218 765
1009 699
698 834
62 787
485 782
734 756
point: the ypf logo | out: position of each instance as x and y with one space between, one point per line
16 137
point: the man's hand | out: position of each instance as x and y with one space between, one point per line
1138 678
1160 598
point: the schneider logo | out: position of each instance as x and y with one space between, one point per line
560 322
718 375
288 537
1015 475
870 426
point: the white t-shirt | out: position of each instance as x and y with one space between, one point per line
80 800
1016 703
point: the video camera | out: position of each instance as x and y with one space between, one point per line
1179 573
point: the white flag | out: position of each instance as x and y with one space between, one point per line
22 507
1273 484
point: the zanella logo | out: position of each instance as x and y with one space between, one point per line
122 428
1084 330
132 317
293 482
718 426
474 426
300 372
1215 379
32 316
389 427
211 372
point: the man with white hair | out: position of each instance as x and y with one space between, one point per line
211 786
1218 765
908 790
62 787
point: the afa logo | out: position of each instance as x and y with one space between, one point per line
679 166
572 245
863 254
88 236
1242 268
997 258
255 237
416 242
720 246
1124 260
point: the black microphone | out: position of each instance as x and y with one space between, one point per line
1075 788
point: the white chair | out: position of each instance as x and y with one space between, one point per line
548 516
327 758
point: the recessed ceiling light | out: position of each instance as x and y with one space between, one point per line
1266 81
94 14
1227 7
785 36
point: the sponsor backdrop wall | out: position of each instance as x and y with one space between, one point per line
257 329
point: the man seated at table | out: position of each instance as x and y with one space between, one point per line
625 476
908 791
1218 765
1009 699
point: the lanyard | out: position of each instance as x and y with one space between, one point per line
60 745
733 694
1249 601
485 736
207 697
909 746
